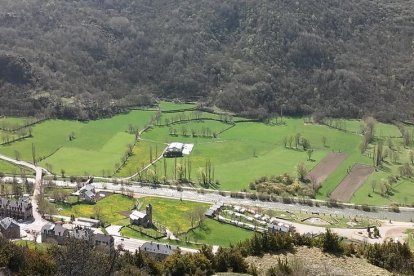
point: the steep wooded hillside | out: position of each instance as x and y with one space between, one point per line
89 58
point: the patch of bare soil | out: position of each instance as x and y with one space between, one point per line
316 221
396 234
355 178
325 167
313 262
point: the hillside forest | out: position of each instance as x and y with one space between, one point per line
88 59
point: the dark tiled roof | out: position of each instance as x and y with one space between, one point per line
7 203
7 222
48 226
103 238
158 248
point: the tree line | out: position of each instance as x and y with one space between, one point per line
330 57
78 258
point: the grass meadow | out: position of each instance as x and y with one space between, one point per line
9 168
239 153
111 209
251 150
171 213
218 233
97 147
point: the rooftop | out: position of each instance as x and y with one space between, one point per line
137 215
7 222
158 248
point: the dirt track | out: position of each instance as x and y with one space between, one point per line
327 165
356 177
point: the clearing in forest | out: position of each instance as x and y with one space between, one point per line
327 165
356 177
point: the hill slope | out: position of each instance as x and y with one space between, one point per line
85 59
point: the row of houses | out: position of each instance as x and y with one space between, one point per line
20 208
56 233
158 250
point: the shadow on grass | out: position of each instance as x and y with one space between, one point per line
199 233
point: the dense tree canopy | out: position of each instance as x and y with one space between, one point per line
90 58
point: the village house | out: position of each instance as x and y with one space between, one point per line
158 250
56 233
9 228
20 208
87 194
140 218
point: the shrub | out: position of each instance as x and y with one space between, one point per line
253 196
394 208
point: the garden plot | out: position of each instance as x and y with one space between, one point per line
356 177
329 164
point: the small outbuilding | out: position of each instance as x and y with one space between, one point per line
174 150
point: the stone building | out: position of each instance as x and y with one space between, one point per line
20 208
142 219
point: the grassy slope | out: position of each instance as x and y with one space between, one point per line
9 168
240 155
110 209
165 106
13 120
98 146
251 150
402 191
170 212
217 233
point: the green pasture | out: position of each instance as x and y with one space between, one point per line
381 129
97 147
16 121
251 150
112 209
9 168
171 213
190 115
167 106
213 232
6 136
402 192
242 153
141 156
130 233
